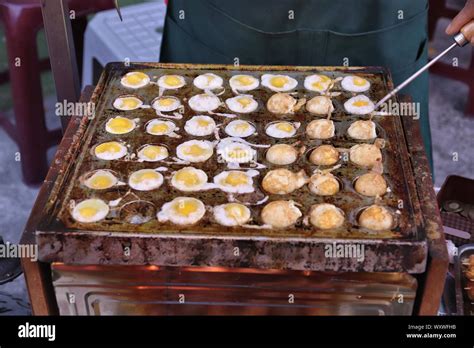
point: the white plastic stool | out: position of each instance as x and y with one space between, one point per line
136 39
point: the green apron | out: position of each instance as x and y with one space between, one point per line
389 33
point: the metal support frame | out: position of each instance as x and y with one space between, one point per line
59 36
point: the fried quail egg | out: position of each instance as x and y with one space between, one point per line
355 84
195 150
166 104
280 214
279 83
365 155
376 218
101 180
240 129
189 179
127 103
283 181
243 82
320 129
243 103
90 210
234 181
111 150
282 154
145 180
120 125
160 127
281 130
320 105
324 155
371 185
135 80
317 83
208 81
362 130
324 184
232 214
153 153
235 152
284 103
204 102
326 216
182 211
171 81
200 126
359 105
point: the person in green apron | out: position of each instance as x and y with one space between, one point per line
389 33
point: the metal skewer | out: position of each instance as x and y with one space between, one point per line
461 39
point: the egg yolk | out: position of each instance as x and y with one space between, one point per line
88 212
236 179
120 125
129 103
148 175
245 80
135 78
159 128
172 80
210 78
108 147
278 81
203 123
285 127
244 102
359 81
194 150
153 152
186 207
166 101
234 210
241 127
360 103
99 182
187 177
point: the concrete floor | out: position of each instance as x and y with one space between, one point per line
451 131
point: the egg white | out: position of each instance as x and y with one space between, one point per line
359 110
236 85
198 173
240 129
273 131
194 127
220 182
204 102
235 152
163 84
170 127
233 219
119 103
208 81
349 84
203 144
109 125
145 184
168 212
144 80
111 155
317 83
99 206
362 130
174 105
290 84
161 156
101 173
234 104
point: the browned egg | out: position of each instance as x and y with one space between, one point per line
283 103
362 130
365 155
324 155
326 216
320 105
320 129
376 218
280 214
371 185
283 181
324 184
281 154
